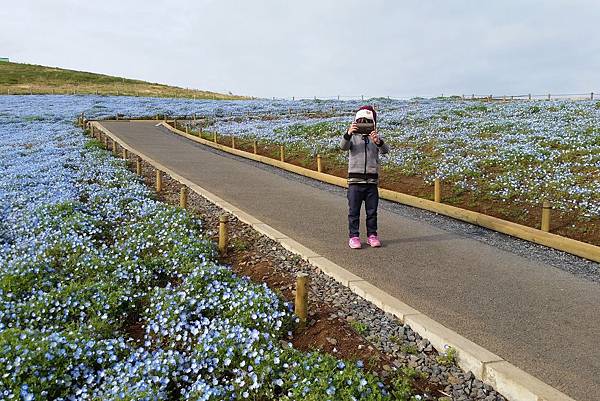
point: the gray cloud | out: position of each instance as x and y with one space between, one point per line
318 48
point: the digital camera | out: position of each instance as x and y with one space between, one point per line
364 129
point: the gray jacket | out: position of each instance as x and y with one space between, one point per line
363 162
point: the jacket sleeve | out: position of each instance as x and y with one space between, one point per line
384 148
345 143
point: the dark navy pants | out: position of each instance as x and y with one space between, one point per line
357 194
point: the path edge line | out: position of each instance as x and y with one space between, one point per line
509 380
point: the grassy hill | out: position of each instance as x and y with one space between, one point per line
16 78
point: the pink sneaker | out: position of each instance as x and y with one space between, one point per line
373 240
354 243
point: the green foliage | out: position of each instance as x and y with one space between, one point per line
448 358
478 107
313 131
26 78
42 363
33 118
412 373
326 378
409 349
93 144
402 388
239 245
359 327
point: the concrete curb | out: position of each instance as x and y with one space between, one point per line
509 380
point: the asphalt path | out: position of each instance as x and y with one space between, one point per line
542 319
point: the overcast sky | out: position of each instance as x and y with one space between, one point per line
318 48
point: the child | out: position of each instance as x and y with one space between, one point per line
363 169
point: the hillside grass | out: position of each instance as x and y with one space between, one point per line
16 78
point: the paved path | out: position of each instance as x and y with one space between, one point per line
541 319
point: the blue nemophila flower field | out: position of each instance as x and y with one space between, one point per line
519 151
108 294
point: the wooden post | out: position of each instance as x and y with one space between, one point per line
546 207
301 304
138 165
158 180
114 147
187 130
175 123
281 153
548 96
254 147
223 234
215 137
124 154
319 165
592 96
437 190
530 96
183 195
106 142
232 142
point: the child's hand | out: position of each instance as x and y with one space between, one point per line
353 128
375 137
